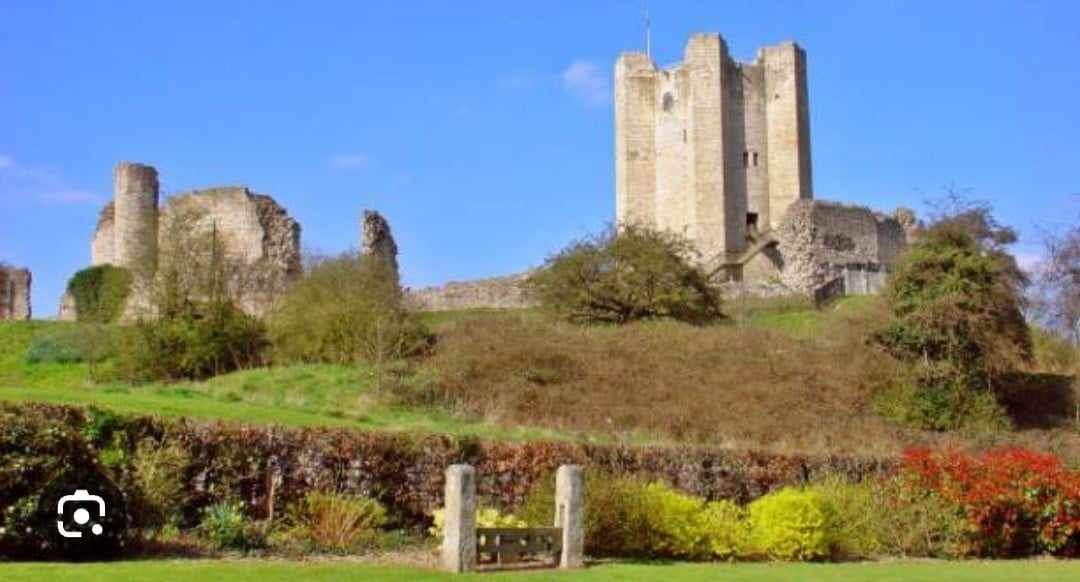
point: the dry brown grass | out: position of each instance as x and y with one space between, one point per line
735 387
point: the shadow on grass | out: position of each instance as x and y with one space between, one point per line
1040 401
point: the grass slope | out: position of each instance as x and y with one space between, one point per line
779 376
166 571
308 395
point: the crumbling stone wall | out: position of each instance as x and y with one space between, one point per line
376 239
103 246
495 293
820 241
260 240
14 293
261 243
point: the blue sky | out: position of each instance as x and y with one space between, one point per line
484 130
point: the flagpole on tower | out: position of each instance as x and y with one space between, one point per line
648 38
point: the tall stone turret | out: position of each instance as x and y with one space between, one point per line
135 218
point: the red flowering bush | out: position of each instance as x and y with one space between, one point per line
1015 502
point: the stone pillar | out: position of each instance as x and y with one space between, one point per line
570 514
459 539
135 218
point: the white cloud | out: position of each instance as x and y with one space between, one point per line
350 161
586 80
39 184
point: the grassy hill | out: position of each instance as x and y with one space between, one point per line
781 377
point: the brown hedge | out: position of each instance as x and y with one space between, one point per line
404 471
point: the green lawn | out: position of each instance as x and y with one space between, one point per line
268 570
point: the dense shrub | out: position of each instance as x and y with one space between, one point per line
226 527
1015 502
192 339
881 517
34 449
726 529
100 293
332 522
404 472
344 310
791 524
189 320
956 300
632 517
160 470
627 274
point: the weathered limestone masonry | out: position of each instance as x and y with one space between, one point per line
259 239
376 239
496 292
14 293
821 241
719 151
712 148
135 218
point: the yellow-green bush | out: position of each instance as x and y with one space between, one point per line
333 522
884 519
855 509
485 517
634 518
790 524
727 531
690 528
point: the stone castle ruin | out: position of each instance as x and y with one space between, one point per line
709 148
376 240
719 151
14 293
258 238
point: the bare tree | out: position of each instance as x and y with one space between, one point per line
1059 282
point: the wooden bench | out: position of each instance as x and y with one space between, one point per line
499 545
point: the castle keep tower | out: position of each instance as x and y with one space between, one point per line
711 148
135 218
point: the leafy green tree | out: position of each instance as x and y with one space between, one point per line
956 297
344 310
189 323
627 274
100 293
